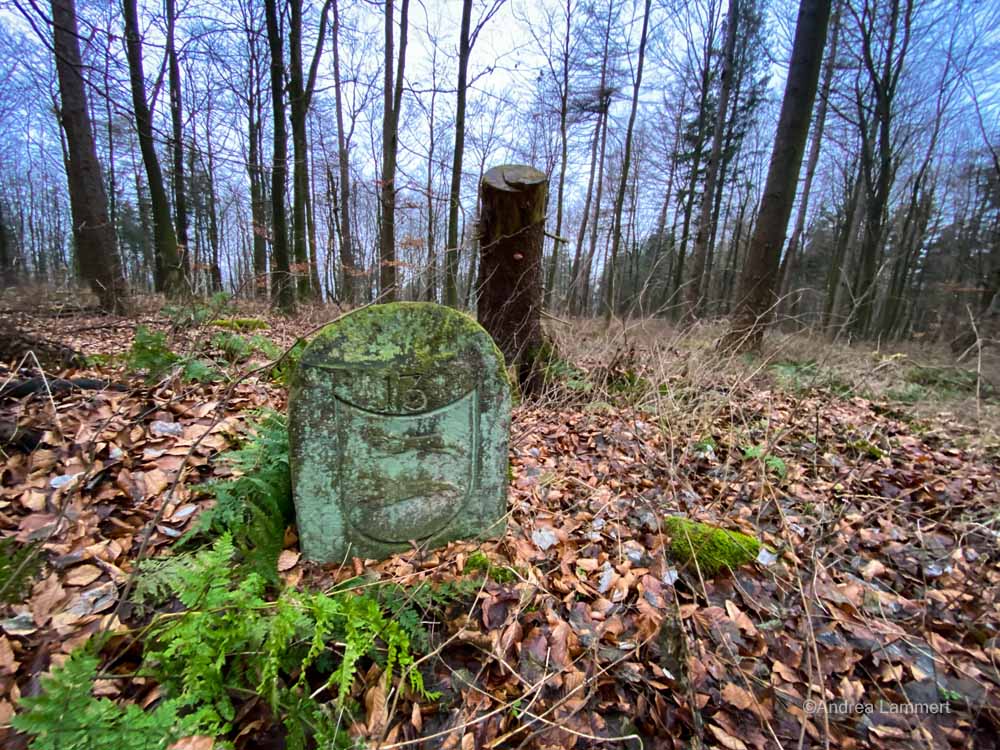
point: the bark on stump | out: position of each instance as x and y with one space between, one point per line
512 232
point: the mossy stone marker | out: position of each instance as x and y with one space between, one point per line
399 419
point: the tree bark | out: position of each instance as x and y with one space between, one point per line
300 91
96 243
796 241
512 233
550 277
177 132
392 97
702 239
7 276
168 273
349 272
616 226
574 274
282 289
758 285
451 248
877 148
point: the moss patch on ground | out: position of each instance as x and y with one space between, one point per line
714 549
240 324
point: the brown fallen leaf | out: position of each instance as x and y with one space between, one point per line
195 742
288 559
376 711
82 575
46 596
737 696
727 740
8 665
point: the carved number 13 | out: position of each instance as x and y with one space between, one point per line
403 394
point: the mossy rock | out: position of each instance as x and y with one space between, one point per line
240 324
715 549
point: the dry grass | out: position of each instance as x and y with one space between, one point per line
692 381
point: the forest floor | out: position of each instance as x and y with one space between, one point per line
869 619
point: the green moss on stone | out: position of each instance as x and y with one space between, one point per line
240 324
714 549
361 335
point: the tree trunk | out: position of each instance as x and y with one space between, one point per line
758 285
550 277
258 214
795 243
451 248
512 234
392 97
282 289
349 274
879 168
171 276
430 290
96 244
7 277
699 255
574 275
616 230
213 213
583 302
177 131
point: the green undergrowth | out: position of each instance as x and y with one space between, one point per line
219 629
806 375
299 651
197 311
714 549
19 566
253 505
236 348
478 562
151 354
946 382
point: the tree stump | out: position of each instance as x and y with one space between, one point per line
512 231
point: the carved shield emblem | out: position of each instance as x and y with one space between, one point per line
405 476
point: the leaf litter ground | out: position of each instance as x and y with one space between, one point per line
870 618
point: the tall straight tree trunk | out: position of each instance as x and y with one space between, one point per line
451 248
588 263
759 282
349 293
392 98
96 244
430 291
846 244
550 277
574 274
790 261
616 226
282 289
258 213
7 274
177 137
300 93
877 158
699 282
300 177
171 276
213 210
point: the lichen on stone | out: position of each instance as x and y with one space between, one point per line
713 548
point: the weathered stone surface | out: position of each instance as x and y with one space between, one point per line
399 424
